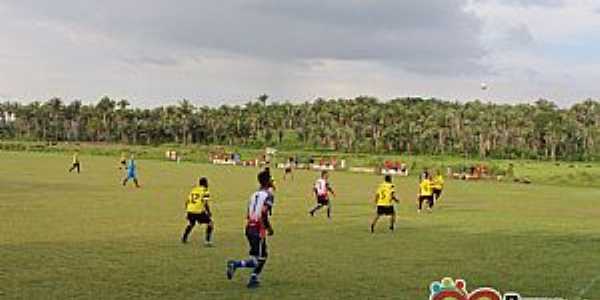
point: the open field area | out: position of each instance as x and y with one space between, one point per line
84 236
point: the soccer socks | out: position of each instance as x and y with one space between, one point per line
312 211
259 267
186 233
209 230
248 263
328 211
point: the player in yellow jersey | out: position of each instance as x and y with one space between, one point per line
425 192
76 164
384 198
437 185
198 211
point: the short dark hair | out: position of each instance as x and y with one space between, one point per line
264 179
203 182
324 172
388 178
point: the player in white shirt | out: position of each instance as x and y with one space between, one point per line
257 229
322 190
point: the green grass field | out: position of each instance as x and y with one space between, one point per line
84 236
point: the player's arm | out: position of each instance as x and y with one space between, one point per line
187 201
266 222
205 199
394 197
330 189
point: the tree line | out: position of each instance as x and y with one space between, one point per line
539 130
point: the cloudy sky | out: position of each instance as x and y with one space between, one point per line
157 51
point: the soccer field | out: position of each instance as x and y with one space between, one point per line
64 235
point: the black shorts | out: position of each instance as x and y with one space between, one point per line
200 218
426 198
437 193
323 200
258 245
123 162
385 210
288 170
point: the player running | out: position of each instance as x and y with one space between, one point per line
437 185
131 172
384 199
123 161
425 192
289 166
257 228
322 190
76 164
198 211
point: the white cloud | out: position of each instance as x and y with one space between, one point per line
154 52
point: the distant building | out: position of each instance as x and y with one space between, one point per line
8 117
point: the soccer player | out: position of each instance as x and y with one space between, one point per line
131 172
257 229
437 185
76 164
289 169
384 198
123 161
198 211
322 189
425 192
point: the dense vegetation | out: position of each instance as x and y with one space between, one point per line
409 125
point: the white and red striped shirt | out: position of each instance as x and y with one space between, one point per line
322 187
258 211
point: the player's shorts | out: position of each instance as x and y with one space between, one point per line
124 162
131 175
200 218
258 245
426 198
437 193
323 200
385 210
288 170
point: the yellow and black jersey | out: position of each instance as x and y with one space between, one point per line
438 182
198 200
425 188
385 194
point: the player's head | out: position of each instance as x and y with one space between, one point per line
264 179
203 182
425 175
132 156
388 178
324 174
268 169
